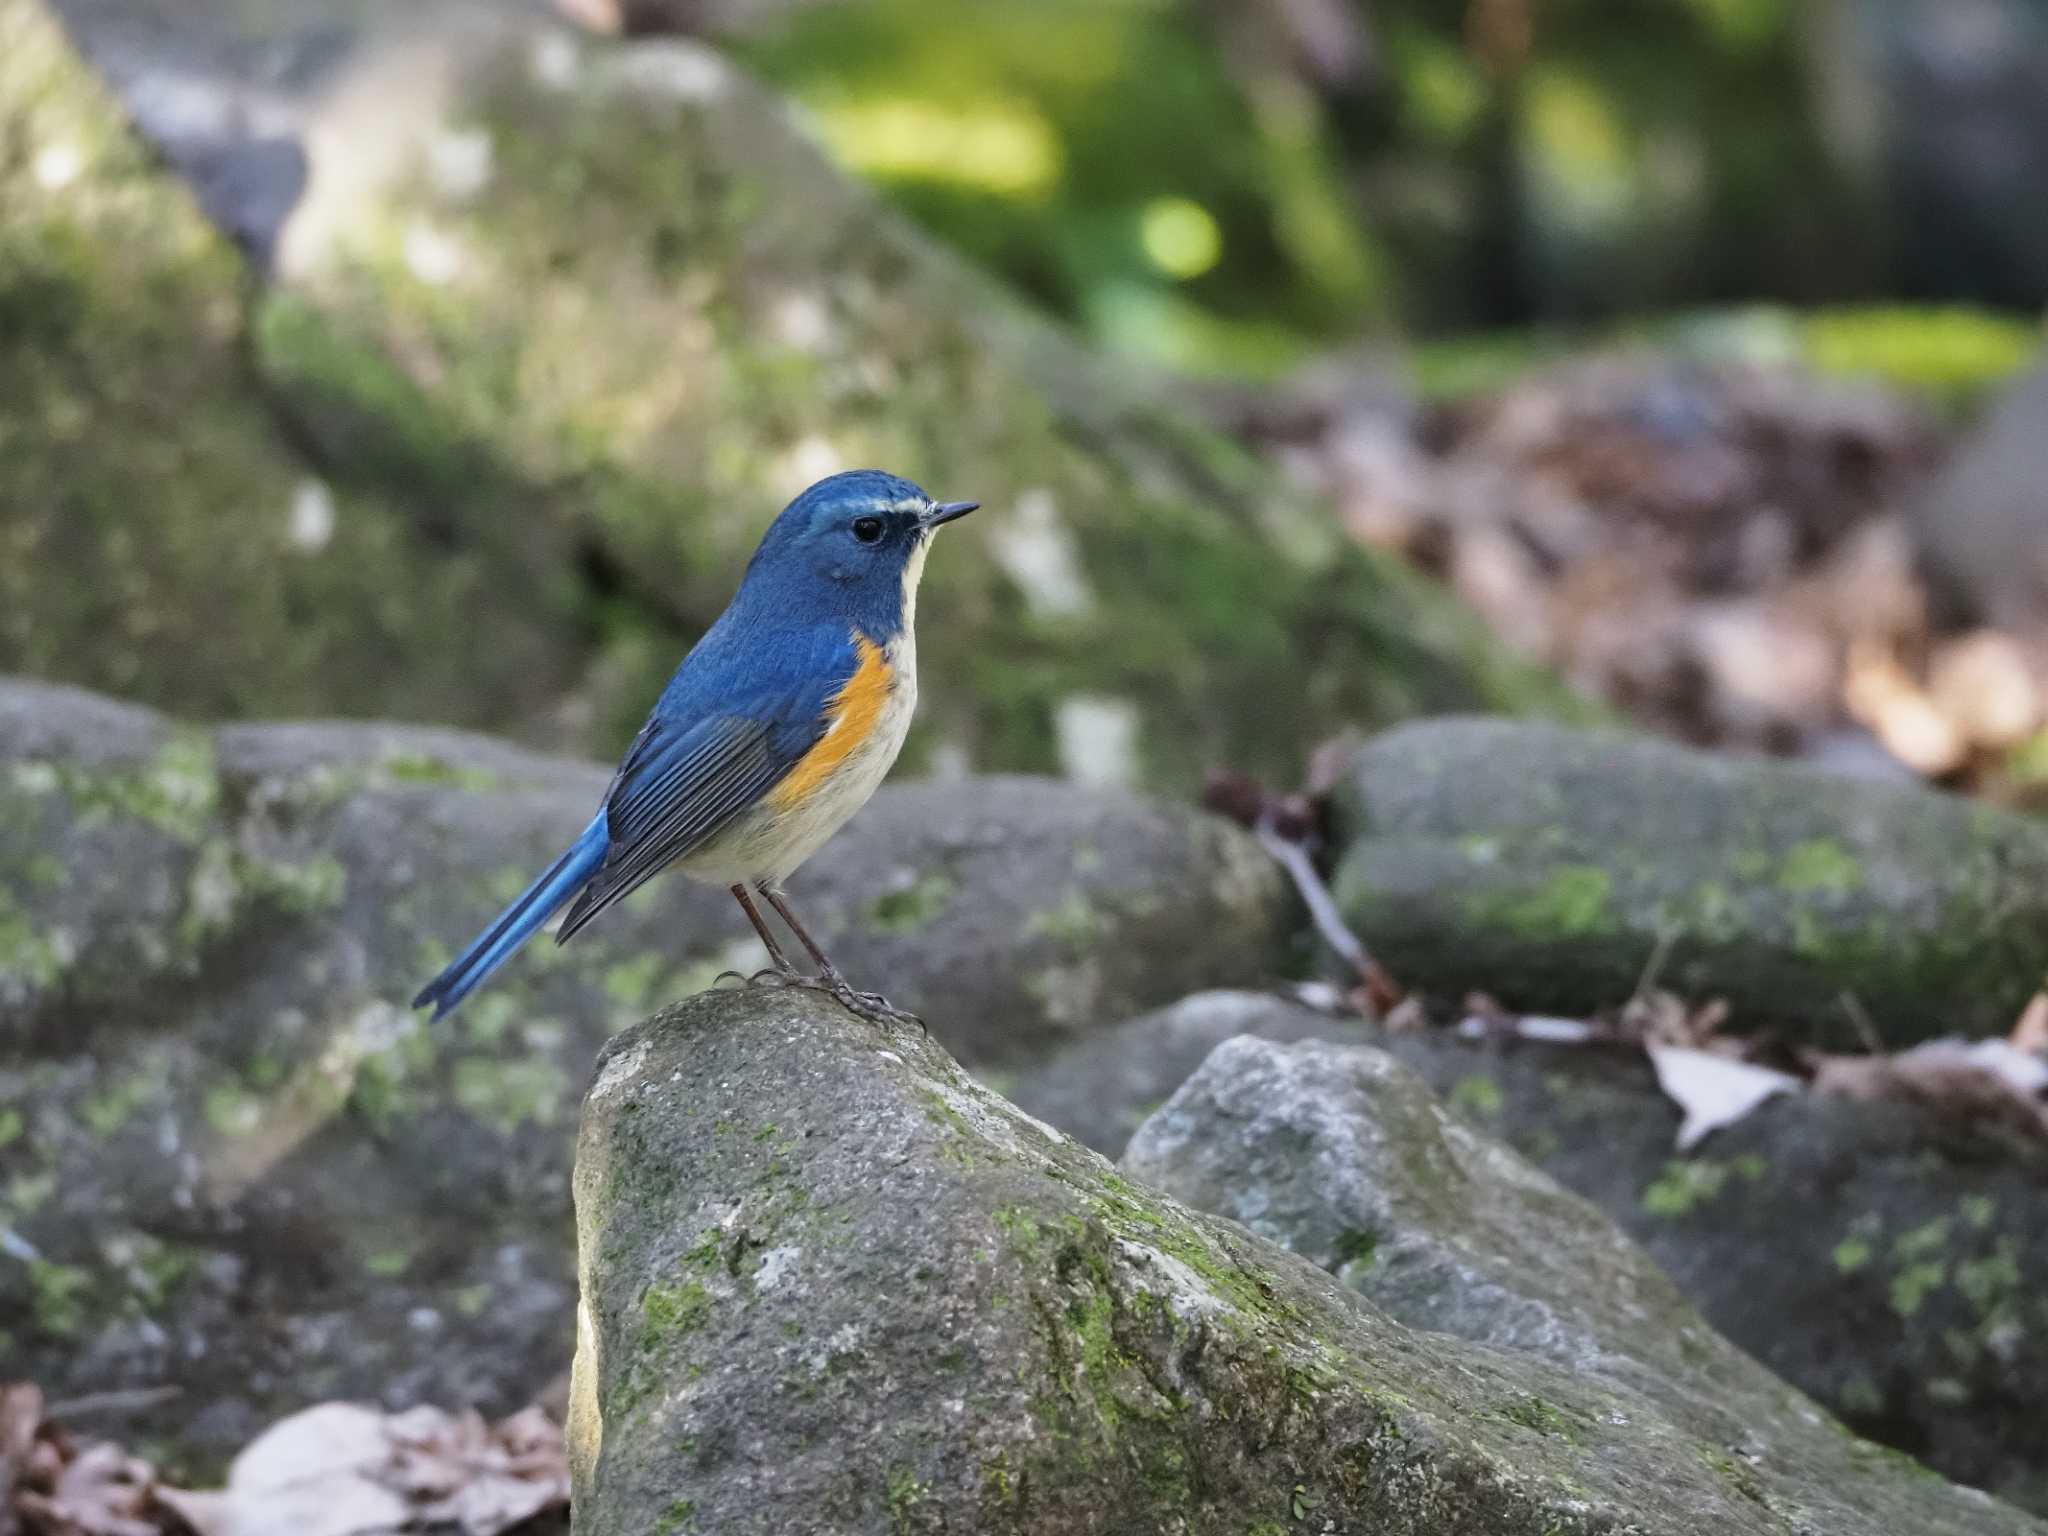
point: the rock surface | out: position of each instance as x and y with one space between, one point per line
1885 1259
563 322
1982 529
1547 866
831 1284
1101 1088
163 534
244 1165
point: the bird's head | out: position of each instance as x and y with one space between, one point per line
852 545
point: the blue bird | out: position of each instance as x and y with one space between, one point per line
776 728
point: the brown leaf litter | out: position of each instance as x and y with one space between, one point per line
1719 551
335 1469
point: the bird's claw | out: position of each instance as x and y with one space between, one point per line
769 977
874 1007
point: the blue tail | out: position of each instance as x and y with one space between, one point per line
518 922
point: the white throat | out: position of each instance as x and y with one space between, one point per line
913 573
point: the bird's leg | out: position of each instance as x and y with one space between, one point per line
872 1006
784 971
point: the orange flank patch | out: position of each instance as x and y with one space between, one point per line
854 709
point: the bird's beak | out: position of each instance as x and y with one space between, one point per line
945 512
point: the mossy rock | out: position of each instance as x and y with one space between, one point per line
1551 867
162 534
1881 1257
543 367
829 1283
208 939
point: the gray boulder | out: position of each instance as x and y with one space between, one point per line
831 1284
1101 1088
231 1156
1883 1258
1981 524
1547 866
1341 1154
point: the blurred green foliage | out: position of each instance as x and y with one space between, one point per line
1949 355
1190 184
1098 154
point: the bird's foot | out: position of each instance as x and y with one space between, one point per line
872 1006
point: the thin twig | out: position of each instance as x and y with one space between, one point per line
1380 990
1322 907
118 1400
1866 1030
1659 953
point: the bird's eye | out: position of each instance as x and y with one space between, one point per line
868 529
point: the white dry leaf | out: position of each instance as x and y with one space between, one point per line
2022 1071
1713 1090
313 1474
341 1469
1490 1022
1536 1026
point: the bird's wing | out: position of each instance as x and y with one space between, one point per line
682 781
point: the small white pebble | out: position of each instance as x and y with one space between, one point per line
1098 740
949 762
683 71
1037 552
555 60
808 461
312 516
801 320
461 162
57 166
431 256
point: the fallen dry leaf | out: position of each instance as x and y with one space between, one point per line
341 1469
2030 1034
1715 549
99 1491
54 1485
21 1411
1988 1080
1712 1089
1984 683
1882 694
1656 1017
481 1478
313 1474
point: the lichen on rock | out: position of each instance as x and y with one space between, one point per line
1549 867
831 1284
